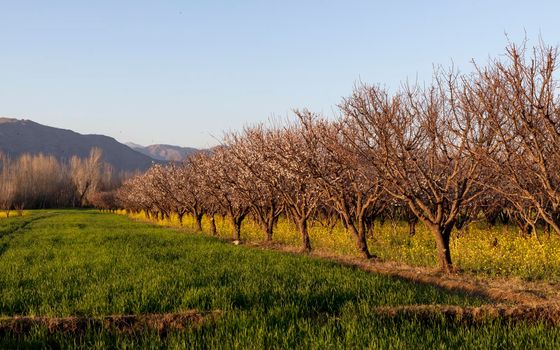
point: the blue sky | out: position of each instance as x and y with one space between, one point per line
182 72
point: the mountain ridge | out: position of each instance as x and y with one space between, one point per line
164 152
20 136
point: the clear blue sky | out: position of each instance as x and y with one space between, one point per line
181 72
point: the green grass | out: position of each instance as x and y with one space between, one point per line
493 251
247 331
63 263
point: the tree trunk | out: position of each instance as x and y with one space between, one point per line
553 224
525 229
269 224
213 230
198 218
82 198
269 229
180 216
491 219
442 236
237 228
411 228
305 241
360 238
534 231
369 227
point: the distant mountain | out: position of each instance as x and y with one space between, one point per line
164 152
25 136
133 145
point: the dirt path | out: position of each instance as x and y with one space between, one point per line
122 324
476 315
499 290
165 323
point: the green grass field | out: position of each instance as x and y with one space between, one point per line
491 251
85 263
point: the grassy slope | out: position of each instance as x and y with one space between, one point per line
88 263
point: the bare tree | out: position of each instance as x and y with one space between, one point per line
289 157
259 184
519 98
467 145
105 200
7 184
222 181
139 194
195 193
86 173
348 183
424 146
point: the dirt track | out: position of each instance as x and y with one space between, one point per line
165 323
475 315
122 324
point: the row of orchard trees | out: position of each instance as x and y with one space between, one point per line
465 147
42 181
